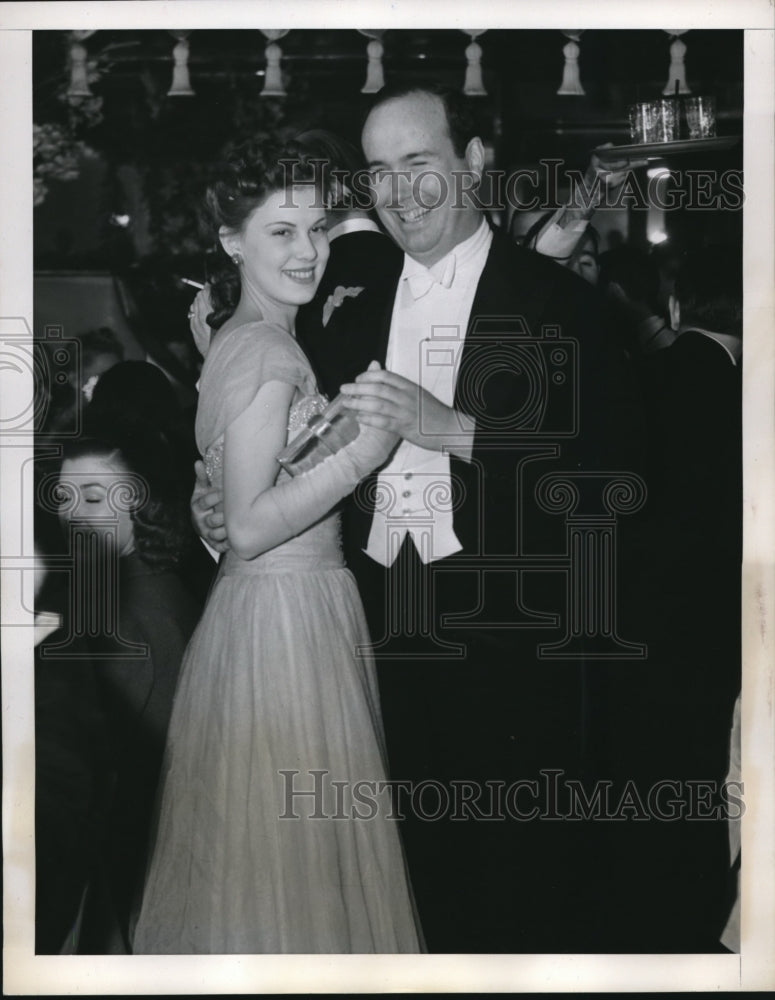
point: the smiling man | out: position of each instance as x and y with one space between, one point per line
468 382
419 152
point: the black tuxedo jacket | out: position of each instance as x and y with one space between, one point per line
361 259
539 372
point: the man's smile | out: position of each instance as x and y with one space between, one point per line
412 215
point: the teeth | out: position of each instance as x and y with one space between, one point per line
301 274
414 215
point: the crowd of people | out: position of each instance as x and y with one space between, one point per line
351 735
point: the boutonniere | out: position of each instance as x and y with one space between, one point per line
334 301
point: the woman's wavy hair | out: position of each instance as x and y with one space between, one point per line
162 528
252 173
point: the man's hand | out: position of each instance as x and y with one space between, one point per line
611 174
207 512
393 403
200 309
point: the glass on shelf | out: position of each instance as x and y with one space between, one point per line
653 121
700 114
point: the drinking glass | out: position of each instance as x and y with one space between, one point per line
641 118
700 115
653 121
665 121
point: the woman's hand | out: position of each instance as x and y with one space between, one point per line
200 309
372 447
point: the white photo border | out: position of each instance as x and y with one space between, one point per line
754 969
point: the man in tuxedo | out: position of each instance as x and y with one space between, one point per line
474 336
496 372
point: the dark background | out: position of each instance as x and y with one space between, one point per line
154 151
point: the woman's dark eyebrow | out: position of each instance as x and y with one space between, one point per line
292 225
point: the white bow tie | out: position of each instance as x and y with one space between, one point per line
421 282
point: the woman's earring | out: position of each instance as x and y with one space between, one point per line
236 259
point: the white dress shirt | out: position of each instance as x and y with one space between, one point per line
430 317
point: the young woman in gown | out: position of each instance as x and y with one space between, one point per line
277 696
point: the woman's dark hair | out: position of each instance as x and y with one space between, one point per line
458 109
162 528
255 170
589 243
135 401
131 397
334 151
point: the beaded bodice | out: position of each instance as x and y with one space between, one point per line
305 407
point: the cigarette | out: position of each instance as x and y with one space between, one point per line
194 284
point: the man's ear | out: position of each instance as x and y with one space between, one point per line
674 311
475 156
230 241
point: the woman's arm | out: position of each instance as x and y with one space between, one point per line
261 514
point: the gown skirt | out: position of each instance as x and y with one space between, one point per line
274 833
275 828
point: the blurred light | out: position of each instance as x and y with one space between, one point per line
122 221
88 387
658 172
657 237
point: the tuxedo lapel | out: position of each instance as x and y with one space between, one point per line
383 320
503 283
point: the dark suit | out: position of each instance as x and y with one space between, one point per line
497 712
359 259
670 716
137 693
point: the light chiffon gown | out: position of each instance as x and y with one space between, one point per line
277 695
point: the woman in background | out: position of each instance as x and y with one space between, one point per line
128 525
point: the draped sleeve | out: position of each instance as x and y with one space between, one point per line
239 362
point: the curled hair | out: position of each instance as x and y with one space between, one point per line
254 172
162 530
341 164
458 109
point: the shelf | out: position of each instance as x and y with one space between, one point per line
657 150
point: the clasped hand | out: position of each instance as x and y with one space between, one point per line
369 450
391 402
